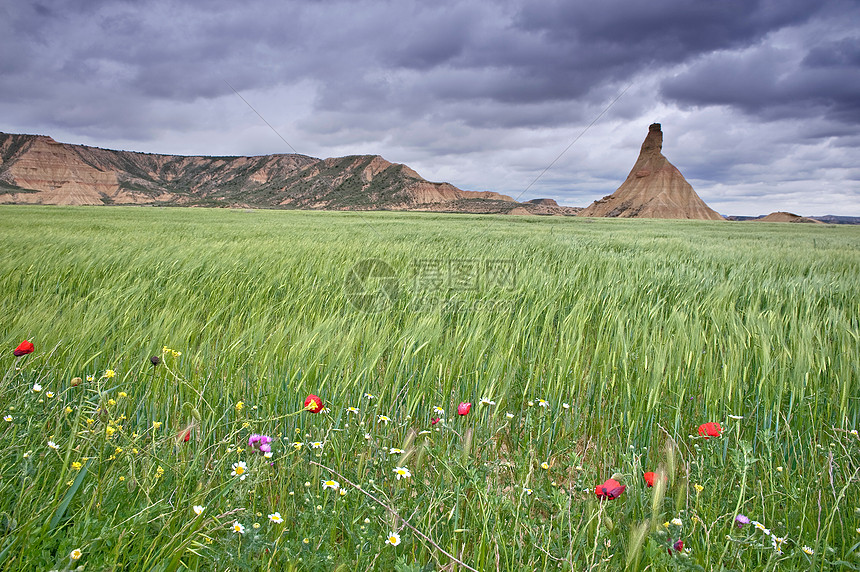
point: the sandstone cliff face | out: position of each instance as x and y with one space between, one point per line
37 169
654 189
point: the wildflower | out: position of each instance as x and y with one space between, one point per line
741 520
76 465
110 430
239 405
369 396
333 485
276 518
464 408
543 403
699 488
711 429
435 420
239 470
649 478
267 455
808 550
49 394
737 417
393 539
610 489
353 410
297 445
76 554
509 415
395 451
23 348
67 409
306 540
238 528
566 405
313 404
53 445
677 546
438 410
317 445
527 490
544 465
260 443
110 401
677 521
779 469
186 436
383 418
110 374
531 403
486 401
37 388
8 418
91 378
159 472
854 432
27 454
402 473
198 509
156 424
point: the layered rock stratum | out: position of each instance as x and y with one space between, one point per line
38 170
655 188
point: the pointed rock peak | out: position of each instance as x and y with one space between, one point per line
654 141
654 189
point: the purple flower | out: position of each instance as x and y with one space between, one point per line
741 520
260 443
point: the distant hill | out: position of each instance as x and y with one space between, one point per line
655 188
829 219
35 169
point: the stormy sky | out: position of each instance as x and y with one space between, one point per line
759 99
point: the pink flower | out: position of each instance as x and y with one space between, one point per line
463 408
260 443
435 420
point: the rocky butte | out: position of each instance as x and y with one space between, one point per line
655 188
35 169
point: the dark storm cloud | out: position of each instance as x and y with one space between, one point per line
467 89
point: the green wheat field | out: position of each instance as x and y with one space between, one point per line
160 422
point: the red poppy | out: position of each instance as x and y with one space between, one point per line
313 404
711 429
611 489
23 348
435 420
649 478
463 408
677 546
187 436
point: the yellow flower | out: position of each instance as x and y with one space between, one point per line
109 430
256 525
68 409
122 394
90 421
699 488
239 405
159 472
76 466
156 424
118 450
111 402
109 373
544 465
121 478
